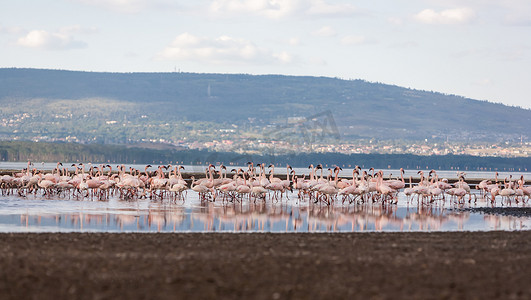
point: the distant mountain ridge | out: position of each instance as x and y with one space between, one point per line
359 108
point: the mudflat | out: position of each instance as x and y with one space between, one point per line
442 265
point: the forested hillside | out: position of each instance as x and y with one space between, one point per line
89 104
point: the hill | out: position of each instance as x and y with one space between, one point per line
130 107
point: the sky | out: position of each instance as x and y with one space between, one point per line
480 49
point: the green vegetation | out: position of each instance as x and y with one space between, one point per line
130 107
97 153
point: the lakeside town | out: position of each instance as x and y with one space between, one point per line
296 135
368 147
258 146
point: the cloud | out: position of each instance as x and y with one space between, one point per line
321 8
448 16
282 8
515 12
317 61
11 30
130 6
395 21
404 44
223 49
514 53
294 41
325 31
43 39
357 40
69 30
283 57
517 20
227 8
483 82
505 53
466 53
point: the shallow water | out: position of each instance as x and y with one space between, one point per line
38 214
57 214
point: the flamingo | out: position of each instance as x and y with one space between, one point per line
83 186
409 191
177 189
482 186
259 191
244 189
507 192
421 189
434 188
52 176
328 190
397 184
203 191
287 182
276 187
384 190
436 192
459 191
494 191
263 180
46 185
336 183
525 189
351 190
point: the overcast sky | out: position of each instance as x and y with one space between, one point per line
474 48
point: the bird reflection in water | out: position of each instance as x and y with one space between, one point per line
267 217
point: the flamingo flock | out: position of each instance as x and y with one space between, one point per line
254 183
509 190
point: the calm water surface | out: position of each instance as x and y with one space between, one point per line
67 214
35 214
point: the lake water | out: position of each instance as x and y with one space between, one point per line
36 213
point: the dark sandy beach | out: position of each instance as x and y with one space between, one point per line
464 265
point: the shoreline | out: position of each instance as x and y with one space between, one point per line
520 212
394 265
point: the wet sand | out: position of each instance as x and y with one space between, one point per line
521 212
471 265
